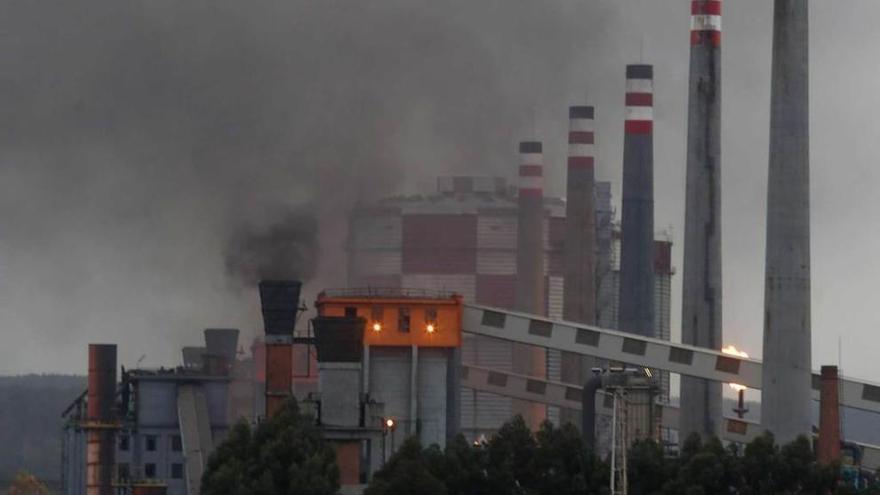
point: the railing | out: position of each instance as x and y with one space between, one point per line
389 293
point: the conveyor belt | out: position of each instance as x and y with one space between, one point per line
642 351
568 396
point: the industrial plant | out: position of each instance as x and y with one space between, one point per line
488 298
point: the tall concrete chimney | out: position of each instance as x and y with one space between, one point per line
101 420
828 450
785 393
579 292
701 409
637 223
530 282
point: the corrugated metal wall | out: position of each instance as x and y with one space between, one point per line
481 412
389 384
555 291
432 395
465 284
379 231
385 262
497 230
496 262
496 290
439 244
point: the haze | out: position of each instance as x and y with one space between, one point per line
137 140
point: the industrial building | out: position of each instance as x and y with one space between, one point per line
160 424
392 244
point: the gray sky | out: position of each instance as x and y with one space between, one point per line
136 139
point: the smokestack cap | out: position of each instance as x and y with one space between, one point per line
222 342
530 147
581 112
279 301
640 71
339 339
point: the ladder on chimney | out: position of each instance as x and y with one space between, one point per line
619 442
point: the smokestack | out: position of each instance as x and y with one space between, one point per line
701 409
786 387
279 300
579 292
637 224
101 420
530 282
829 416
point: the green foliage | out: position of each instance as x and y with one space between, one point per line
552 461
513 462
407 473
282 455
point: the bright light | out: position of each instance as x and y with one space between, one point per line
389 423
733 351
430 328
377 327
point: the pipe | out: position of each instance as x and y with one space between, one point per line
588 405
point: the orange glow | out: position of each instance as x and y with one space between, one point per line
377 327
733 351
430 328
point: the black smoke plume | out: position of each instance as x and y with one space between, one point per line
285 249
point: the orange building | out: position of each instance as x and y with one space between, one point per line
399 317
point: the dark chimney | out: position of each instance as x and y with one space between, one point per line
279 300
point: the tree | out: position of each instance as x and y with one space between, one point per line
26 483
284 454
560 464
461 467
509 457
648 469
406 473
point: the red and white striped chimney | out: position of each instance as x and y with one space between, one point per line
636 308
579 291
706 23
579 294
530 282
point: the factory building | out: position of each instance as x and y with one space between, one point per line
164 422
390 364
395 243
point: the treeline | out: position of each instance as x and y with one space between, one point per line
30 428
553 461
